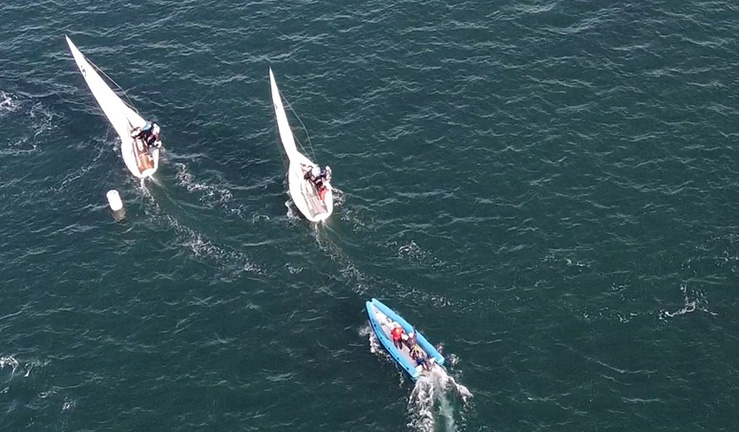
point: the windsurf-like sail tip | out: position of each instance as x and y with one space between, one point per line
73 48
273 85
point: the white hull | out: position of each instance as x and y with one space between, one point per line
302 191
138 160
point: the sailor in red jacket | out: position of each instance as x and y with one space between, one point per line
397 334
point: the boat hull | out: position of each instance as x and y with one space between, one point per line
382 320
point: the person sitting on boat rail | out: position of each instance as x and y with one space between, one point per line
149 134
397 334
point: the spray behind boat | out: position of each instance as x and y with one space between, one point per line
434 402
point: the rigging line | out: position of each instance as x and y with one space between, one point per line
310 145
130 103
279 143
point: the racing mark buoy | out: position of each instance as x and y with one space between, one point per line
114 200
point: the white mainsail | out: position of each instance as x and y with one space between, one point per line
121 116
302 191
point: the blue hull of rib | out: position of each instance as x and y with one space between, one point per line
404 363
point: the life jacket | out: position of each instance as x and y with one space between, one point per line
397 334
416 351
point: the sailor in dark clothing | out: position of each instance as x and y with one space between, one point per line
424 362
325 175
411 340
149 135
318 176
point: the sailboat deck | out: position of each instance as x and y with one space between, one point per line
315 205
144 160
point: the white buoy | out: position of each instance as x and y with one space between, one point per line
114 200
116 205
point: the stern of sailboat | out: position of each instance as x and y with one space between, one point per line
144 159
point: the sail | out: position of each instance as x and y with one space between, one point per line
120 115
286 134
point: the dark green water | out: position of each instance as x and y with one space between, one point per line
547 188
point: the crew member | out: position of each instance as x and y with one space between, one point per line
416 352
319 176
397 334
149 135
411 339
425 362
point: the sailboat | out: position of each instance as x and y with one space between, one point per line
315 202
140 160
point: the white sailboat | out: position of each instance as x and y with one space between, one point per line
140 160
314 203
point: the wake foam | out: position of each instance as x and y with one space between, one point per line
7 104
17 368
210 194
10 362
434 400
693 300
30 118
292 212
338 197
374 343
353 277
231 262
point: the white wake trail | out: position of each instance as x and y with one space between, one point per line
431 404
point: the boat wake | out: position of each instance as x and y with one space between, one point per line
292 212
13 368
434 402
230 262
211 195
693 300
10 362
374 343
6 103
31 119
353 277
97 151
339 197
